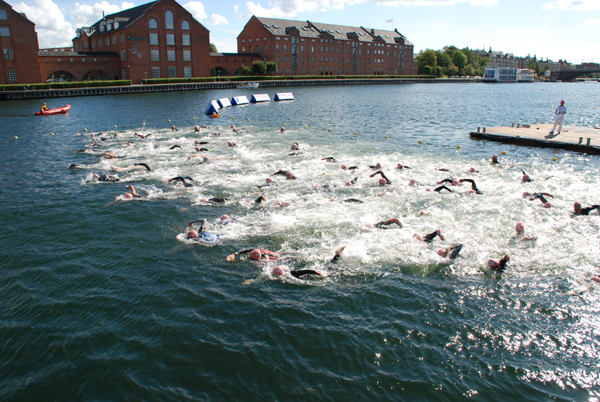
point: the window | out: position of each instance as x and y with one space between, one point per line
152 24
185 39
187 72
187 55
100 42
76 46
170 40
301 48
8 54
169 20
108 27
124 72
185 26
243 49
122 38
123 55
170 55
313 71
285 48
114 39
312 49
116 24
102 28
265 48
85 45
286 71
285 59
83 59
2 15
277 47
155 72
278 59
11 76
313 60
107 41
302 59
94 44
4 31
172 72
154 55
302 71
249 49
71 60
154 39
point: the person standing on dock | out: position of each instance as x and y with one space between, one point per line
560 116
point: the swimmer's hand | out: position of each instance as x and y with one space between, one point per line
231 257
339 251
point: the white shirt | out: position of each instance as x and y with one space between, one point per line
561 110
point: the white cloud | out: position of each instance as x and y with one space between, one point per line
577 5
50 24
85 14
196 9
236 8
216 19
592 21
290 8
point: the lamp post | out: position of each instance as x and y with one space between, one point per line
146 77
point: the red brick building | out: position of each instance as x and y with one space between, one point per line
155 40
310 48
224 64
64 64
19 42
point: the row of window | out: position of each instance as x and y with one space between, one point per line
154 55
330 60
172 72
312 50
11 76
153 24
8 54
59 60
170 38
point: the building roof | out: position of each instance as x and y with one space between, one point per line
71 53
256 55
125 18
311 29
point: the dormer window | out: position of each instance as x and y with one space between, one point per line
101 28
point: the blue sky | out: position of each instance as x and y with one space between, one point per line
555 29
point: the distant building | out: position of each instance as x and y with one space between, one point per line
311 48
19 43
160 39
226 64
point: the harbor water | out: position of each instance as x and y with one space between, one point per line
104 298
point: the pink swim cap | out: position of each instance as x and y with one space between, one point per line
412 182
520 227
192 234
526 194
228 143
442 253
382 182
455 182
255 254
492 263
378 165
344 167
204 200
269 180
348 183
289 175
547 205
278 270
198 142
472 170
317 186
224 217
400 166
128 195
294 147
526 177
577 204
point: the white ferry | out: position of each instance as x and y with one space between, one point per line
507 74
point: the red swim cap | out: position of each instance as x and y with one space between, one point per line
192 234
255 254
344 167
278 270
228 143
348 183
547 205
269 180
520 226
382 182
224 217
577 204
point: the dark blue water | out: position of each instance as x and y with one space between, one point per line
104 298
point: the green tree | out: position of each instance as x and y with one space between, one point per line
469 70
427 58
443 59
246 71
258 67
427 70
459 59
213 48
271 67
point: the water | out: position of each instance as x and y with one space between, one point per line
104 298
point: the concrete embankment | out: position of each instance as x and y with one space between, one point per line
192 86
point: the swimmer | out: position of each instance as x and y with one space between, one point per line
540 196
106 178
577 210
499 266
225 220
173 128
132 194
329 159
442 169
453 182
198 149
142 136
429 238
401 166
255 254
204 158
495 160
135 166
353 200
472 170
260 199
282 172
353 181
196 129
183 179
520 234
289 175
473 186
450 252
282 129
526 178
280 270
234 128
295 146
385 224
198 142
377 166
269 182
176 146
110 155
413 183
295 153
76 166
344 167
282 204
384 180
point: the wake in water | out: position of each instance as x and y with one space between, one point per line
299 193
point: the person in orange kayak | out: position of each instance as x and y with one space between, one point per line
44 107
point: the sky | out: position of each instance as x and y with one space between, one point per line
554 29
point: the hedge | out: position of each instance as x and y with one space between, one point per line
178 80
14 87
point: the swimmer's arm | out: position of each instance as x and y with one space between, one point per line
445 181
144 165
231 257
299 273
202 221
440 188
195 156
337 255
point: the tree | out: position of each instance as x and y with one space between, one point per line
443 59
271 67
213 48
258 67
427 58
459 59
427 70
246 71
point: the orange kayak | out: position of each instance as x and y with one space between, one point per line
57 110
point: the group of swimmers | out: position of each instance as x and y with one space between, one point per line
452 252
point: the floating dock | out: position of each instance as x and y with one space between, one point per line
579 139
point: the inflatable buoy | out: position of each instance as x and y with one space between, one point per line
328 129
503 152
51 133
115 126
193 118
554 159
168 121
265 122
284 124
233 118
16 136
386 136
305 126
248 119
420 142
85 129
356 133
458 147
